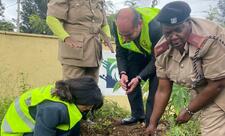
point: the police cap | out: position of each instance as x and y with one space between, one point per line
174 13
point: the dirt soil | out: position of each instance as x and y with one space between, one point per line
115 129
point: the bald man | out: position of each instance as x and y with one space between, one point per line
136 34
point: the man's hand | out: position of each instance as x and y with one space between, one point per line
151 130
133 83
183 117
124 81
71 43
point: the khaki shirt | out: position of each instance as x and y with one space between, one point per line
179 68
82 19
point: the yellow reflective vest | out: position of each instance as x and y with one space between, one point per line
147 14
18 121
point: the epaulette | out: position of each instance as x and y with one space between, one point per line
196 40
161 48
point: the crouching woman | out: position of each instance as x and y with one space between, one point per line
52 110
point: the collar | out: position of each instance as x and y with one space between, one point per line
175 54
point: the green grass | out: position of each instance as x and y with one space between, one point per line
4 105
110 110
107 114
179 99
189 129
11 86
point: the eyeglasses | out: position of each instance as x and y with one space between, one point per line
130 35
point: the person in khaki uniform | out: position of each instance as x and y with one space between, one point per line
191 53
78 24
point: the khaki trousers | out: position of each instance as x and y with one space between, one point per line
212 121
70 72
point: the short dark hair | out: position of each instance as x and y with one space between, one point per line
81 91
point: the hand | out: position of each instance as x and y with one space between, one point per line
109 45
124 81
151 130
71 43
183 117
133 83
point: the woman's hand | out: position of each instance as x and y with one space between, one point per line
71 43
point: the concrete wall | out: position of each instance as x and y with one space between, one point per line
31 58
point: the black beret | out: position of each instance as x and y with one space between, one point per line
174 13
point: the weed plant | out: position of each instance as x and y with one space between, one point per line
10 88
105 117
4 105
179 99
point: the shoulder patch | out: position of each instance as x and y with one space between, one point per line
196 40
161 48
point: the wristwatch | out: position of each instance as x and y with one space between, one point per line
189 112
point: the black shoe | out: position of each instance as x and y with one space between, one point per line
131 121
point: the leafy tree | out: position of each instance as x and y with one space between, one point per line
2 8
154 3
221 6
33 17
38 25
6 25
109 7
133 3
212 13
217 13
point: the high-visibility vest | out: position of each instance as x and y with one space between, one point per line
147 14
18 121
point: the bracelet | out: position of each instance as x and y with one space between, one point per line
189 112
